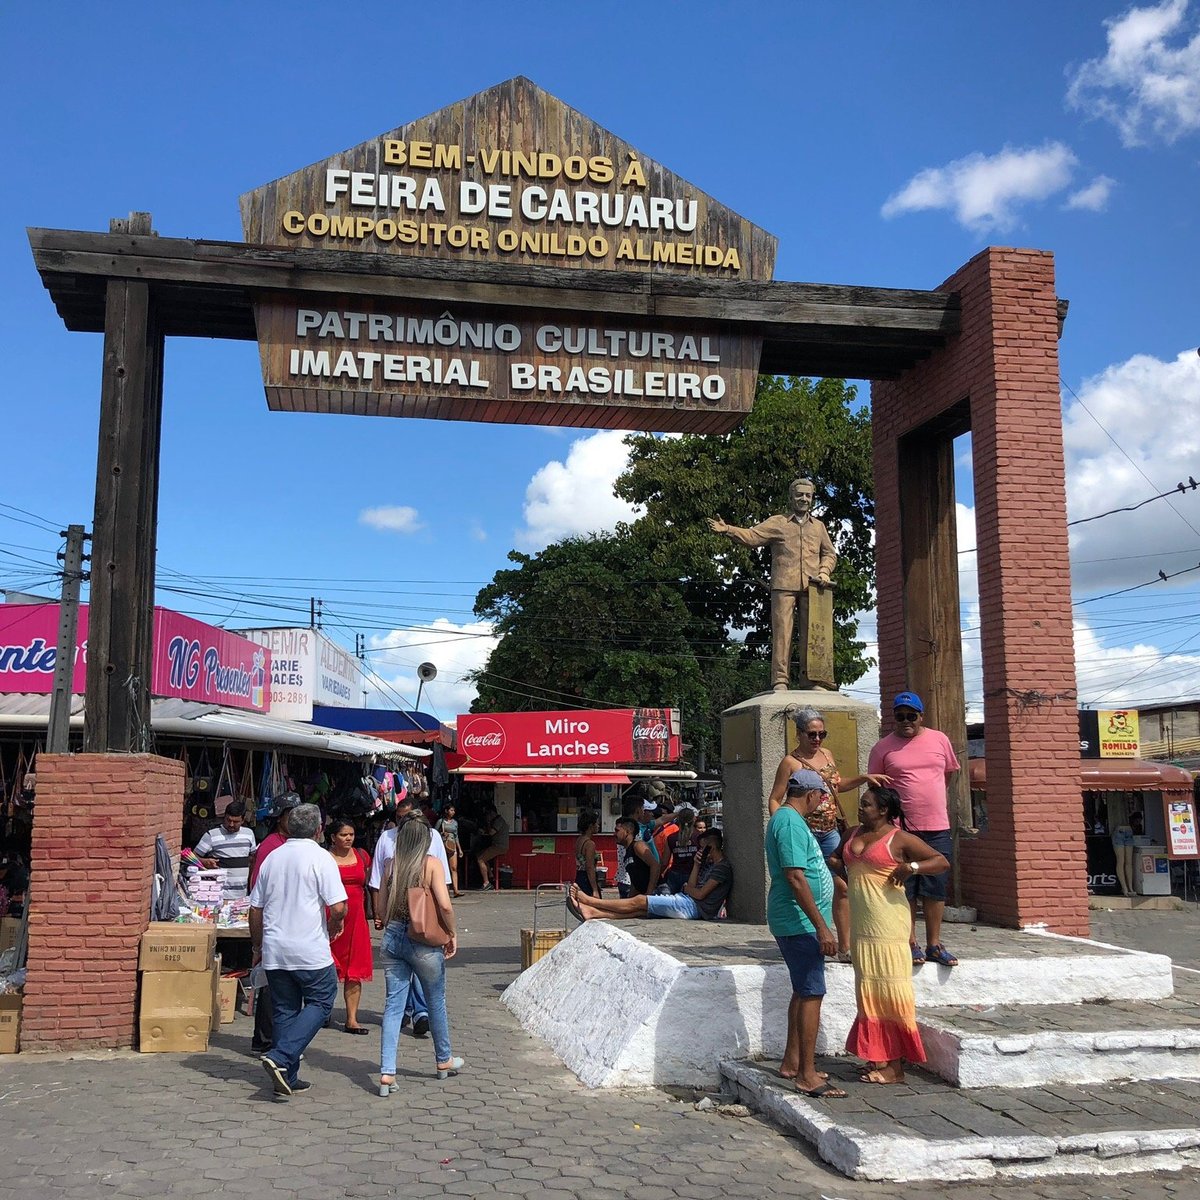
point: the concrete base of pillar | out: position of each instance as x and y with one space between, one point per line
755 735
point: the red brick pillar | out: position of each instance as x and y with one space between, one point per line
1030 864
92 861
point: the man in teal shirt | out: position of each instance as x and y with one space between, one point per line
799 913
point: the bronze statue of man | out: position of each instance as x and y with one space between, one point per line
802 557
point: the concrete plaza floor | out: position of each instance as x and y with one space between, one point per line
514 1123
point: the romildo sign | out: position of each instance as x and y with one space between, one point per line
510 177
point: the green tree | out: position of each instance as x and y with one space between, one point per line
663 611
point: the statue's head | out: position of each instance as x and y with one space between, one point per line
801 495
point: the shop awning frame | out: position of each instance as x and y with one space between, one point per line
583 777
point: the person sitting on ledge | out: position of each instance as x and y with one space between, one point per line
702 897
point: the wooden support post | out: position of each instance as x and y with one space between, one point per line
121 611
933 626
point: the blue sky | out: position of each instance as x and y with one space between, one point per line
883 144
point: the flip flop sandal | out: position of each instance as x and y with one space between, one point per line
918 955
827 1091
574 909
940 955
360 1030
866 1077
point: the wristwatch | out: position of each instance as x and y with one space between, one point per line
914 867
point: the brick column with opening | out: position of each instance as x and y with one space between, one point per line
1029 866
94 826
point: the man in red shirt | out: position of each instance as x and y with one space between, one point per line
918 763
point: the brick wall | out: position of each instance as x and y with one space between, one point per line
92 861
1030 866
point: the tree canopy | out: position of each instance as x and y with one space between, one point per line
664 612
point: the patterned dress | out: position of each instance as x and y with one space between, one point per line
886 1025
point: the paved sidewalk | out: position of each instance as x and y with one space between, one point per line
515 1123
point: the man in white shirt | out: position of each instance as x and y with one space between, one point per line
231 846
290 935
416 1011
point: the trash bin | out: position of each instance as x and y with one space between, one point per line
506 876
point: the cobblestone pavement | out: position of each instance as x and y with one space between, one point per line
1167 932
515 1123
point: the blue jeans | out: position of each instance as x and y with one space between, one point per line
416 1006
301 1002
403 963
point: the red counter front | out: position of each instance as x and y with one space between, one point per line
531 866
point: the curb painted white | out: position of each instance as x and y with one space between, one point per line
1034 1059
904 1159
619 1012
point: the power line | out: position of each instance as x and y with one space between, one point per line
1181 488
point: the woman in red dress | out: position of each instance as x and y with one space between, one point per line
351 949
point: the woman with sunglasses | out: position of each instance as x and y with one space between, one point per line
826 822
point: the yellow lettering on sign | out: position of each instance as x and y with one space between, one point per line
293 222
634 174
393 153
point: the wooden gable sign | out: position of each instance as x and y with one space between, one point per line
509 177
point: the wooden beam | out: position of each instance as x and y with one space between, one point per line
120 617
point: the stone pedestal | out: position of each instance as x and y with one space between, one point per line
755 735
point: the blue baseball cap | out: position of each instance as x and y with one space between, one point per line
908 700
805 780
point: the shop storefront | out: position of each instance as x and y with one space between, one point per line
1139 822
542 770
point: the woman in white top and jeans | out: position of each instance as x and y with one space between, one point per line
403 958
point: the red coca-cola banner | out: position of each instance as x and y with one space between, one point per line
545 739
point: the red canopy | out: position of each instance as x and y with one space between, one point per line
606 777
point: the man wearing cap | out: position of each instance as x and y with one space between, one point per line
919 762
799 914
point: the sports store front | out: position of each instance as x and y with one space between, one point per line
542 769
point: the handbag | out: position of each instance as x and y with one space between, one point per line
425 919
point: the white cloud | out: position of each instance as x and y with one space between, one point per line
576 496
392 519
1094 197
478 532
1147 405
454 649
982 191
1148 82
1111 675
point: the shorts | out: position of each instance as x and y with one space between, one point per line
829 842
805 963
679 908
932 887
1122 836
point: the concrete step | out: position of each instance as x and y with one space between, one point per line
1031 1045
925 1129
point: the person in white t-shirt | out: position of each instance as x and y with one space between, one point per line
290 936
231 846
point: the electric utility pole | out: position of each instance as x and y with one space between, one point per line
58 732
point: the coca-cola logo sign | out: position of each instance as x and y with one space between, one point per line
651 733
483 740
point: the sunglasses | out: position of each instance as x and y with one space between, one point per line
812 733
906 714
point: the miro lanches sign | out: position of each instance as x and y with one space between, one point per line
508 176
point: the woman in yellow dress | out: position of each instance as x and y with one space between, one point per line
879 857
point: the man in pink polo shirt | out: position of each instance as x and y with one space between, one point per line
919 762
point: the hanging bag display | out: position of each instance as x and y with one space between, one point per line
202 779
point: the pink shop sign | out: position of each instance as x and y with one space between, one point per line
195 661
29 647
192 661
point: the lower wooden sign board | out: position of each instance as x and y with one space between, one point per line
343 354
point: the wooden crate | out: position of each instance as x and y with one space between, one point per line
534 945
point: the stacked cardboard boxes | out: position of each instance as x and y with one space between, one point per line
180 980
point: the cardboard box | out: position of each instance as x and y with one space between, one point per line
170 992
170 947
10 929
10 1022
174 1033
229 995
